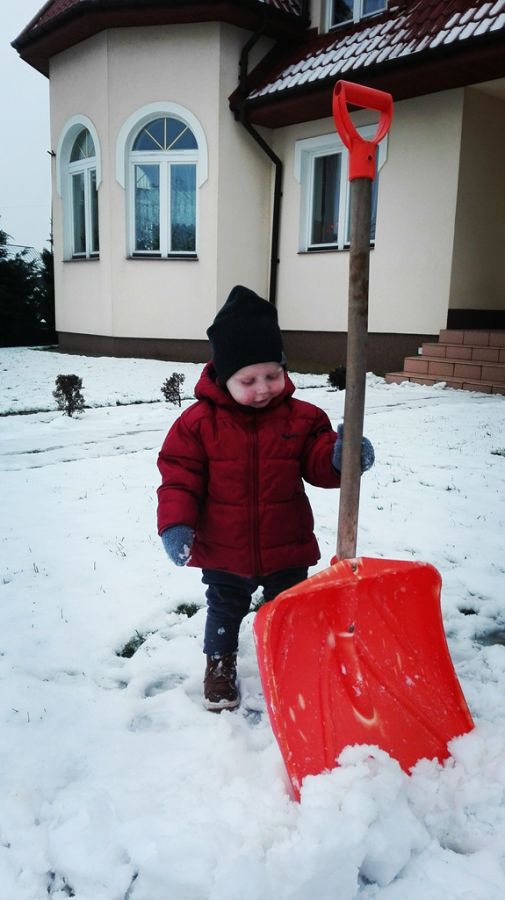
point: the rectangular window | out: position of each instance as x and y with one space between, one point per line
330 204
344 11
321 168
147 208
79 215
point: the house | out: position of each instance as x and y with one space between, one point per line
194 148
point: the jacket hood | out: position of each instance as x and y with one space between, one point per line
207 388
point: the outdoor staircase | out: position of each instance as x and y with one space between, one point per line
466 360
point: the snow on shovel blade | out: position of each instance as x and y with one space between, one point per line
357 655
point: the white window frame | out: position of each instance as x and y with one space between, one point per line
357 15
126 159
84 167
166 161
64 172
306 152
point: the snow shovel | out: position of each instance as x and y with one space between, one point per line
357 653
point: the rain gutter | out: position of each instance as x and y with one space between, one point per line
241 115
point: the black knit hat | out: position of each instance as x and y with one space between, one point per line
244 332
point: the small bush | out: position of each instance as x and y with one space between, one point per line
171 388
187 609
68 394
336 378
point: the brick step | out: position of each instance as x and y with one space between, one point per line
465 360
442 368
465 351
473 338
484 387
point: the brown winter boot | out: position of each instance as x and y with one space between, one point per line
220 690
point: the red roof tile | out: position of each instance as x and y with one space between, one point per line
51 10
290 6
417 27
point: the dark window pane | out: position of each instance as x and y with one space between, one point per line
95 246
325 200
371 6
183 208
83 146
152 136
147 207
180 137
78 213
76 153
342 11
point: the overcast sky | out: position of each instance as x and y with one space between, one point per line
25 170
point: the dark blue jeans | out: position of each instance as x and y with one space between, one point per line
229 599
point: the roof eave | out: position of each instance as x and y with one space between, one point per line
422 73
36 46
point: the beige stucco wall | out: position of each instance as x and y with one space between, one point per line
244 186
107 78
410 267
478 279
77 80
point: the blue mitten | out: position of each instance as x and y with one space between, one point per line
367 452
177 542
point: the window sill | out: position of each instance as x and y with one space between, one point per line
311 251
80 259
314 251
178 256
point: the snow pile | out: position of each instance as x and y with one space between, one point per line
115 783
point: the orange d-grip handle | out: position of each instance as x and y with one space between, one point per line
361 153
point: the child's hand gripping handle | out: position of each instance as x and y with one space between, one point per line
361 153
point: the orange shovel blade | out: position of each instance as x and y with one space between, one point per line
357 655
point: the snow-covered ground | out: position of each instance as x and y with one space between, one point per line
115 783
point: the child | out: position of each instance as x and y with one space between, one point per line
232 500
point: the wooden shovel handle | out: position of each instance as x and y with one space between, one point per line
357 333
361 174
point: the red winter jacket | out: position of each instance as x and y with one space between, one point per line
234 474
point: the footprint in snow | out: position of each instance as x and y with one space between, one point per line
164 684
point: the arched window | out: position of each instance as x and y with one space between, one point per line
77 162
166 162
82 171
